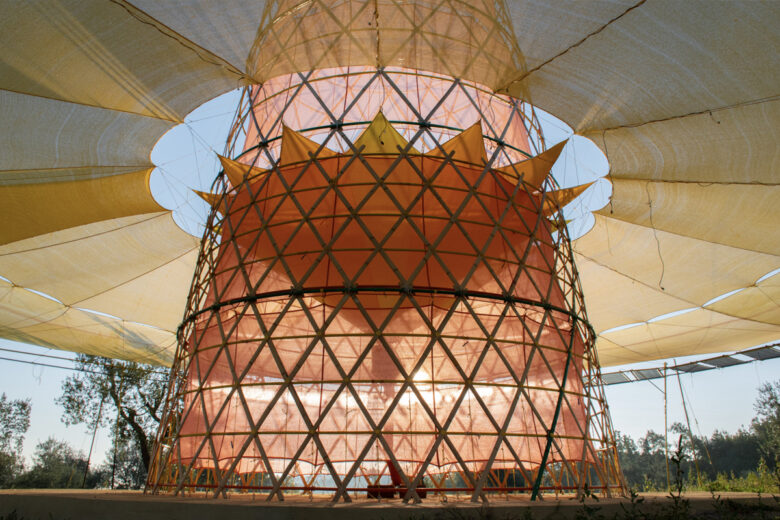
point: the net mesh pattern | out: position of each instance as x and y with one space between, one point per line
379 301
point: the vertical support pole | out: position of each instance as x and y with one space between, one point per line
690 433
551 431
666 435
92 444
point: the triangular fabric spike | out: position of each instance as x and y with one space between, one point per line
467 146
236 172
212 199
380 138
555 226
296 148
554 200
536 169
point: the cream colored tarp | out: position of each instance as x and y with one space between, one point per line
86 89
34 209
698 331
31 318
138 268
681 97
691 270
135 270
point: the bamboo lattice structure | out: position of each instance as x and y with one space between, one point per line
385 302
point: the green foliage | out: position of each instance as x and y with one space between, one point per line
14 423
57 465
11 467
679 508
766 426
131 395
125 469
748 460
736 453
643 463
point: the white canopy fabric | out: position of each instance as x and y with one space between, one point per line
683 98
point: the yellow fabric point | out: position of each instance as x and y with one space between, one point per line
212 199
554 225
557 199
236 171
380 138
296 148
467 146
535 170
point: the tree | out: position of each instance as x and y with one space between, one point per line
124 468
728 453
57 465
766 425
736 460
629 460
643 463
127 395
14 423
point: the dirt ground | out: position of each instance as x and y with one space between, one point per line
121 505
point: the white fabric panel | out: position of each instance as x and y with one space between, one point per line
760 302
30 318
620 271
570 21
138 268
733 146
227 28
663 59
697 332
742 216
613 299
106 54
39 133
156 298
692 270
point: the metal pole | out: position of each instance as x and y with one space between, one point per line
116 430
666 435
92 444
690 433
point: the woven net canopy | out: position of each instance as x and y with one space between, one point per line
681 98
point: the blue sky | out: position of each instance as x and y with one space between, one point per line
186 158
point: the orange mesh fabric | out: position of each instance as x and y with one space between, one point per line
382 297
266 248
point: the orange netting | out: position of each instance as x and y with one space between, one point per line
264 247
354 95
382 294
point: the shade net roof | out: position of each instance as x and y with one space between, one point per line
681 98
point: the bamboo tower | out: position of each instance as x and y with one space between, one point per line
385 301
